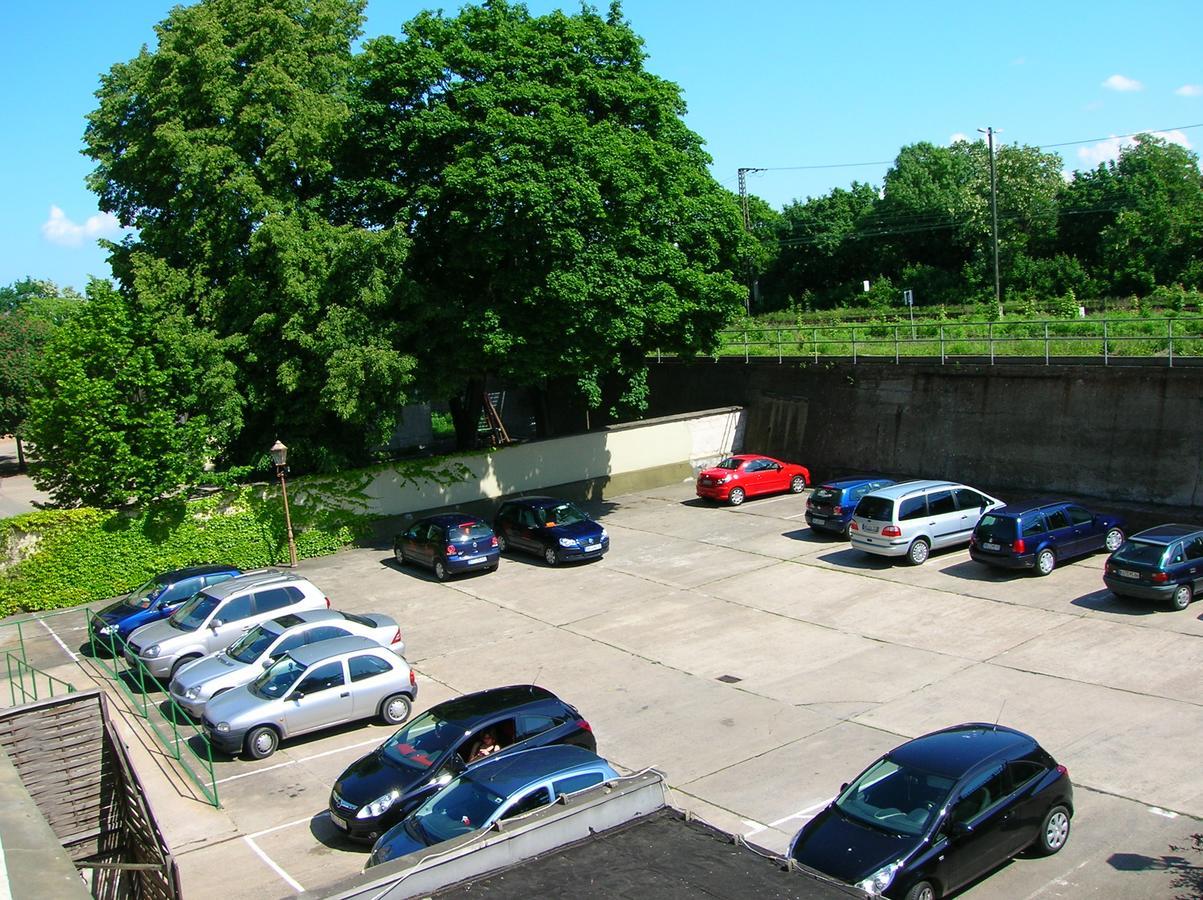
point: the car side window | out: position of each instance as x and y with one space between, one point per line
1177 553
912 508
1034 524
941 502
324 677
1057 519
292 642
756 465
367 666
1194 549
574 783
325 633
236 608
528 519
1023 771
1079 516
858 492
181 590
968 499
980 795
434 534
529 726
218 578
273 599
529 803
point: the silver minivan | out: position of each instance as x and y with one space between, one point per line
217 616
313 687
913 518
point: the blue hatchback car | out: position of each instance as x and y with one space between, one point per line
830 505
557 530
449 544
156 599
1041 534
1163 563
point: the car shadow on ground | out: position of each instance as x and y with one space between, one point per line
1105 601
808 535
850 558
969 570
426 574
330 835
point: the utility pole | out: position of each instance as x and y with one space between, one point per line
743 202
989 132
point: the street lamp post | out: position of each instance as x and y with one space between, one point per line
280 459
989 132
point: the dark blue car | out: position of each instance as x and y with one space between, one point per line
1163 563
557 530
1038 535
156 599
830 505
449 544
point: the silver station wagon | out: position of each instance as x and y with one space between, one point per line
313 687
196 683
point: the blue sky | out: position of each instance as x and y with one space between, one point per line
772 84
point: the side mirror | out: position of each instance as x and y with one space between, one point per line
267 663
216 623
297 695
843 787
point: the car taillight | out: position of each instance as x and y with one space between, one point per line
582 724
327 603
413 679
1159 578
1019 546
852 526
396 637
973 539
451 551
837 510
1061 770
493 541
809 503
891 531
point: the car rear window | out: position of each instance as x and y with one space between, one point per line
1141 552
826 494
879 509
1000 528
469 531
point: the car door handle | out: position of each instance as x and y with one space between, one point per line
345 694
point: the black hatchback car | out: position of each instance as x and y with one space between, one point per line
940 811
380 789
1163 563
448 544
557 530
1039 535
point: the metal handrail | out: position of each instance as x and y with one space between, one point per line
17 668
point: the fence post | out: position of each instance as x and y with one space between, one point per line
854 345
990 332
745 345
941 345
816 343
1106 349
1169 327
895 345
1046 343
778 345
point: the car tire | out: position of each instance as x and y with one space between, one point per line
736 496
1046 561
502 546
921 890
1181 598
797 484
1054 831
193 657
550 556
918 552
1114 538
440 570
399 556
395 709
261 742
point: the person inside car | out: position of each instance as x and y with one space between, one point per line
486 745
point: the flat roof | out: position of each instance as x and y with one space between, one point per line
660 855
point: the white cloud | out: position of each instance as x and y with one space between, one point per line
1120 83
1109 148
59 229
957 136
1190 90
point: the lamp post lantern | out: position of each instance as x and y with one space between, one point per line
279 454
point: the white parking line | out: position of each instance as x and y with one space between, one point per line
1158 811
58 641
292 882
800 515
801 814
1060 881
293 762
291 824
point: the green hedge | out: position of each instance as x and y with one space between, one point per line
89 554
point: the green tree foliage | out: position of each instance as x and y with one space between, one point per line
563 219
137 400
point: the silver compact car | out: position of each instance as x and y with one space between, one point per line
196 683
310 688
218 616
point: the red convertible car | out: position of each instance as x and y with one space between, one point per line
746 475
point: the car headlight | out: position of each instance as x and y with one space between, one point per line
152 651
567 542
604 534
379 805
877 883
104 630
192 693
223 727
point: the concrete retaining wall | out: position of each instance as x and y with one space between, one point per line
1121 434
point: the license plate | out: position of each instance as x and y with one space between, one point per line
988 546
340 823
589 548
473 562
871 528
1127 573
817 520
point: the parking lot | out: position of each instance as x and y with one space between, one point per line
758 665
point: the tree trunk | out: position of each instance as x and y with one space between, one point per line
465 414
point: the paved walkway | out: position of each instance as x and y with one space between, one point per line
17 493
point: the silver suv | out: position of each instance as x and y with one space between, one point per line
313 687
913 518
218 616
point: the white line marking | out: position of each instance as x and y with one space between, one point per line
295 761
753 827
291 824
1158 811
5 889
801 515
292 883
800 814
1059 881
58 641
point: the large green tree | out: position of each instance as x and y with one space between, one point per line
564 223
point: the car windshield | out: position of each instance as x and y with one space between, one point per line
1143 552
142 597
276 681
193 613
1000 528
461 807
422 741
469 531
562 514
826 494
896 799
729 463
879 509
251 645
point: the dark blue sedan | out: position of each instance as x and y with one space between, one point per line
556 530
830 505
448 544
1163 563
157 599
1039 535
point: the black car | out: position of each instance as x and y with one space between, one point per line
1163 563
1039 535
448 544
377 791
940 811
556 530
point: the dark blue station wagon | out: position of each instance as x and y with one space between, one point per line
1042 534
1163 563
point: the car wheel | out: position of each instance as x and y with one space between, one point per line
440 570
1054 830
1182 597
399 556
1114 538
736 496
797 484
1046 561
918 552
922 890
395 709
501 544
550 556
184 660
262 742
